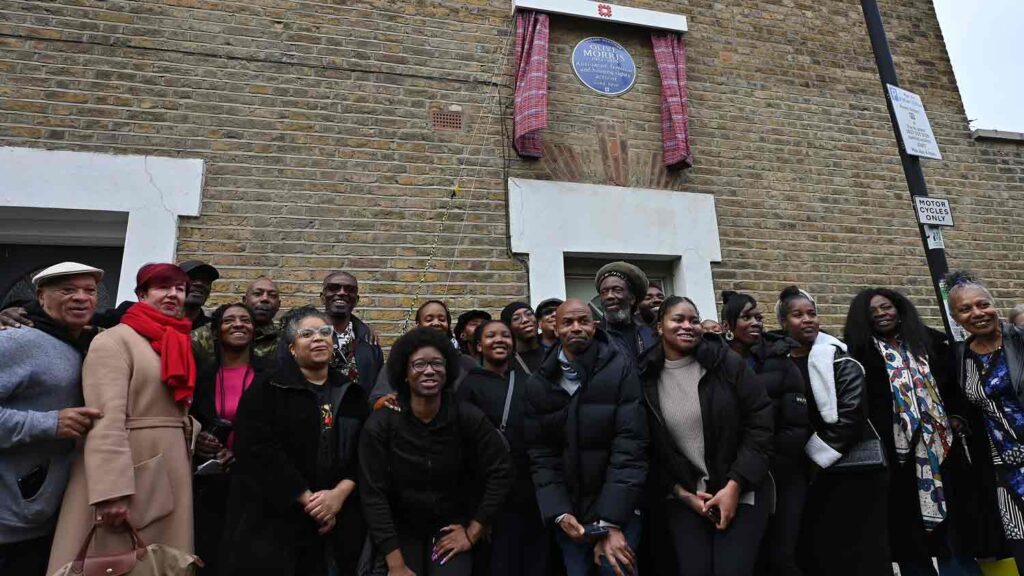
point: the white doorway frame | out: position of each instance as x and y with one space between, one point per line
549 219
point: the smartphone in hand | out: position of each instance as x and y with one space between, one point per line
715 515
595 531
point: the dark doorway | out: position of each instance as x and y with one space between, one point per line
19 262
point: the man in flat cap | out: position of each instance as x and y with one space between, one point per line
621 287
41 413
201 277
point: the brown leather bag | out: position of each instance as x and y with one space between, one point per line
141 560
111 564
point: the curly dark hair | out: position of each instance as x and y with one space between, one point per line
733 304
217 321
859 332
408 344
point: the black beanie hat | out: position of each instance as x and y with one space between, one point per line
508 311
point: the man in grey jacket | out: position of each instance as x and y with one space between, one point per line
40 412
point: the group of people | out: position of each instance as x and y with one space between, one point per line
625 437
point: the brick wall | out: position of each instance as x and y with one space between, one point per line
313 118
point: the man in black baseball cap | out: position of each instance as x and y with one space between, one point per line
546 321
201 277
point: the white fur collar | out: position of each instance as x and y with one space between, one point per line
823 375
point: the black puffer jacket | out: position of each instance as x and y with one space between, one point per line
588 451
416 477
786 387
831 440
736 415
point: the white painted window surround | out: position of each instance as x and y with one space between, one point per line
153 190
551 219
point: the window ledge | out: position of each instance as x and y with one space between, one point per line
998 135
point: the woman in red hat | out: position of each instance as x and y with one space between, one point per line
133 467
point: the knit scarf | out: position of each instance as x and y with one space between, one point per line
920 429
169 337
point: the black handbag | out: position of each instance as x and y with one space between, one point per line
865 456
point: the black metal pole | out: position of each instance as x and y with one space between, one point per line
936 257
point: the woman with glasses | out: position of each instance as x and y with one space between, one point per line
293 506
432 314
521 319
432 473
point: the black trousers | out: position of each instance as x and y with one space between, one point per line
519 543
210 497
778 549
417 552
26 558
703 550
844 531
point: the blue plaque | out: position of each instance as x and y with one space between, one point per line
604 66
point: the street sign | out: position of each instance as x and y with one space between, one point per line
933 211
915 131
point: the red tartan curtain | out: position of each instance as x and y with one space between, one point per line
670 54
531 97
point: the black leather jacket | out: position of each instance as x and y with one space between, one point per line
851 409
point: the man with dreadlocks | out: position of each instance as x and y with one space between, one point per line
621 287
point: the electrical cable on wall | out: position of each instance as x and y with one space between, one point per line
494 105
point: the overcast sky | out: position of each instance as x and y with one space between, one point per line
985 39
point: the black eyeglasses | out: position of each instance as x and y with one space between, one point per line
421 365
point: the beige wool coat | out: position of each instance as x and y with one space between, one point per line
137 449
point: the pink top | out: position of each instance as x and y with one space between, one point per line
233 381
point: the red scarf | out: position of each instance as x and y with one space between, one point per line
169 337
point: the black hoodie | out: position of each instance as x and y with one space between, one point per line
487 391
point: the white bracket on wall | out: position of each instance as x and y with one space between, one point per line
606 12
